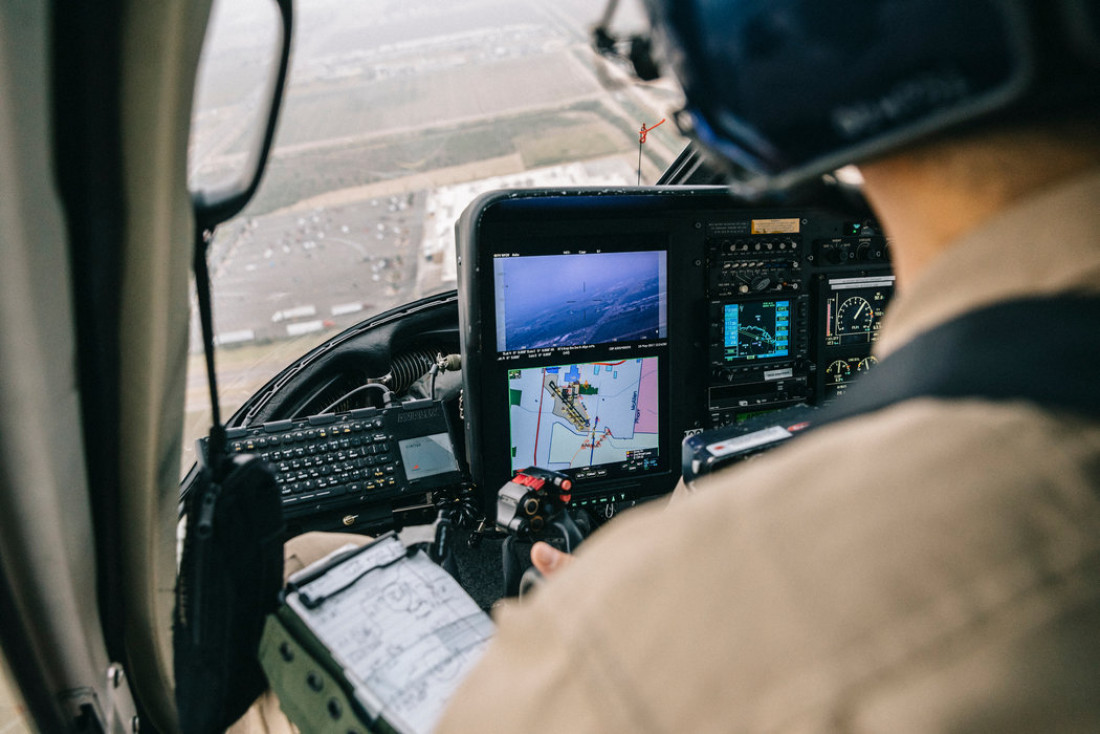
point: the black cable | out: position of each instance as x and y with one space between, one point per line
462 506
608 14
387 395
450 362
434 372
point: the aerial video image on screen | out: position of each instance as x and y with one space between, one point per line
568 300
756 330
580 415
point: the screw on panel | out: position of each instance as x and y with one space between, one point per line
114 674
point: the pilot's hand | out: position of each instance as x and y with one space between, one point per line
548 559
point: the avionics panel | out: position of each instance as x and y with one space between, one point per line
582 329
574 355
758 352
599 328
851 311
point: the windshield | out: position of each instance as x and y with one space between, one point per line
397 115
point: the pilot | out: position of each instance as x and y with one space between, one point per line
932 565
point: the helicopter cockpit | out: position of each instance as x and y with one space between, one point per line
437 247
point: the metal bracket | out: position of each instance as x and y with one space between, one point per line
90 717
84 710
121 711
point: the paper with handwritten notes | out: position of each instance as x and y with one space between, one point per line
403 630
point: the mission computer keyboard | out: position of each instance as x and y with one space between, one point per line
331 461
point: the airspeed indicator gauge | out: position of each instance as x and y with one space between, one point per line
855 316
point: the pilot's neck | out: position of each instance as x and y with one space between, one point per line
931 195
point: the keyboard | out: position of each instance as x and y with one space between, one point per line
331 461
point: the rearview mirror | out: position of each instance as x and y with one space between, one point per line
238 93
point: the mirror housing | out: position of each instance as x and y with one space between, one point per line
216 204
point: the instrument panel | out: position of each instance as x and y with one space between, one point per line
599 328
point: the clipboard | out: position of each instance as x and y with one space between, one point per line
372 639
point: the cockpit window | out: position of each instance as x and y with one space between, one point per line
397 115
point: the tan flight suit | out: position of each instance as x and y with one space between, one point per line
934 566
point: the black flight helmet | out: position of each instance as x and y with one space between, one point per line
785 90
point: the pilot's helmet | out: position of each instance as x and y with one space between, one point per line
785 90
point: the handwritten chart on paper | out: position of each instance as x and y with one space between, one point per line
402 628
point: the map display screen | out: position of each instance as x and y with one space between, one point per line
756 330
574 416
547 301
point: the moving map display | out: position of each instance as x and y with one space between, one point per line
549 301
756 330
581 415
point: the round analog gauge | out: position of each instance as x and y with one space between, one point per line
866 364
854 316
838 372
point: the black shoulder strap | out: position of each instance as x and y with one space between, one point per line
1042 350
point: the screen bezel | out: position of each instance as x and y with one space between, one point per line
494 365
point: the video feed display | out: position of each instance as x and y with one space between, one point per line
547 301
581 415
756 330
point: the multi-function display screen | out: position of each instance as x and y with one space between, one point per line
571 416
566 300
581 357
427 456
756 330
